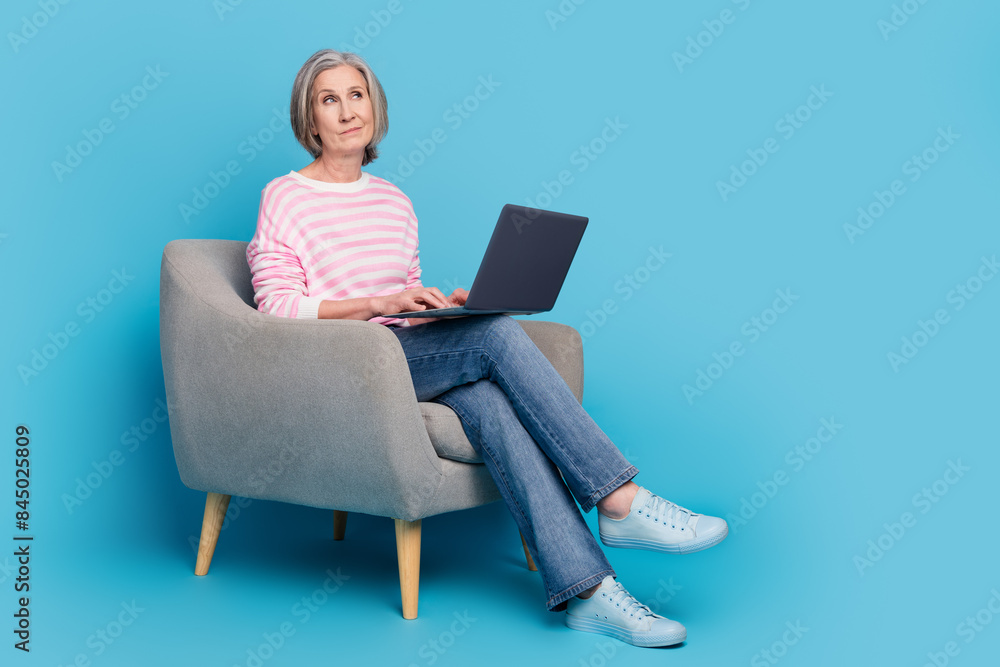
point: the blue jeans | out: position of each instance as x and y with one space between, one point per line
528 427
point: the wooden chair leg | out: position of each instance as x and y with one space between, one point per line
527 555
215 512
408 553
339 524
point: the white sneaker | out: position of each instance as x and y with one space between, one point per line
659 525
612 611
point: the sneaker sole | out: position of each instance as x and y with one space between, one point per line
653 545
636 639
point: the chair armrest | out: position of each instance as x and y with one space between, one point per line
563 347
313 412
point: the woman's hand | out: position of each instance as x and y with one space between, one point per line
459 297
421 298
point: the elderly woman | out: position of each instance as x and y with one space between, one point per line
334 241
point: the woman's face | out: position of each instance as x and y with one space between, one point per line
342 111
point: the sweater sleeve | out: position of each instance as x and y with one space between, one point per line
279 279
413 274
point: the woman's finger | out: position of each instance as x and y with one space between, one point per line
440 295
435 297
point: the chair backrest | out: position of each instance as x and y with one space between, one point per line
219 268
207 311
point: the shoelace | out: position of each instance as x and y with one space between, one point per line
661 509
629 605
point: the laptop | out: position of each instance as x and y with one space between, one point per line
524 267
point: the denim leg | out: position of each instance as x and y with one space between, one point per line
448 353
565 551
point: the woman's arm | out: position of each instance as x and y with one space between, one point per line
365 308
278 278
348 309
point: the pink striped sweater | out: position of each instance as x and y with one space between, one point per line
317 240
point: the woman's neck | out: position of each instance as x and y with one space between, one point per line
332 169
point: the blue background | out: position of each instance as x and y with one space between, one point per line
791 557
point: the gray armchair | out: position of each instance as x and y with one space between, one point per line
313 412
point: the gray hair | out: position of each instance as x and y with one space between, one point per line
302 111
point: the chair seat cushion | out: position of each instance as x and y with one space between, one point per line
446 433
